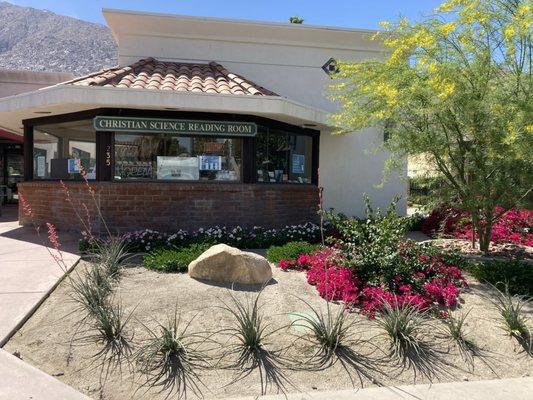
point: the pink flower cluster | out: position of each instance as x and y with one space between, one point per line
325 258
434 283
513 226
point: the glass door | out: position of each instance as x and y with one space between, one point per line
13 173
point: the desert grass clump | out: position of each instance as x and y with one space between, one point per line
171 357
402 325
334 335
455 331
331 330
247 340
514 322
91 290
109 323
112 255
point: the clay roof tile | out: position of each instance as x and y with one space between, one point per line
153 74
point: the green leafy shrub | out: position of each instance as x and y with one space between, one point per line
516 274
173 259
423 190
415 222
289 251
371 245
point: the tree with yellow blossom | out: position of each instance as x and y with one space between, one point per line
456 88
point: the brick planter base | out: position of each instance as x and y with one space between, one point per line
169 206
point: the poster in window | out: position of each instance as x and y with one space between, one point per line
210 163
178 168
73 166
41 166
298 163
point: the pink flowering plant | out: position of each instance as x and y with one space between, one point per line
512 226
425 281
370 264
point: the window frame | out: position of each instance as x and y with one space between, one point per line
58 144
240 180
105 143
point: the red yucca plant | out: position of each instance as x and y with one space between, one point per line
82 214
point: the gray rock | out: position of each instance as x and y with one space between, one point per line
224 263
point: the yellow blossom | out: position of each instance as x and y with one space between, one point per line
509 32
442 87
389 93
446 29
432 68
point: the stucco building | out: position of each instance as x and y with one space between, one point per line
206 121
14 82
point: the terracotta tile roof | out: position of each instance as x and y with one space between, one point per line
181 77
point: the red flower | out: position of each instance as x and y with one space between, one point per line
26 208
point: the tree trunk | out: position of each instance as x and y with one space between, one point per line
484 241
485 231
475 220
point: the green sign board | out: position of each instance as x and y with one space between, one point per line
179 126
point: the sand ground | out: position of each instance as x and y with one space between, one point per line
46 340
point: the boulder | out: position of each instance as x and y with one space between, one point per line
224 263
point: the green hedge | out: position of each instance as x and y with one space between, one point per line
289 251
517 274
173 259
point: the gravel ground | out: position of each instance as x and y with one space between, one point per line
51 341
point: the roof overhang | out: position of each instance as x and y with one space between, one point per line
63 99
142 23
9 137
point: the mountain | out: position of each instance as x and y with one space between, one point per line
40 40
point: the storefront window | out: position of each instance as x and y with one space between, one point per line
167 157
60 149
283 157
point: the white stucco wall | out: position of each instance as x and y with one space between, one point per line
350 166
15 82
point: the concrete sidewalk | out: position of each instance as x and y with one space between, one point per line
27 271
498 389
19 381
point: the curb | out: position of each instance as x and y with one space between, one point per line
497 389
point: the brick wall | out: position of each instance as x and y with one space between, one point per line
169 206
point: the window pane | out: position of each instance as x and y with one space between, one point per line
301 148
59 149
167 157
283 157
272 156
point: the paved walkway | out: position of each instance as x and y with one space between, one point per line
21 381
27 271
27 275
498 389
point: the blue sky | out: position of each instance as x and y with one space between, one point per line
347 13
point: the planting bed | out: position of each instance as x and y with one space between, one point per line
49 340
497 250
